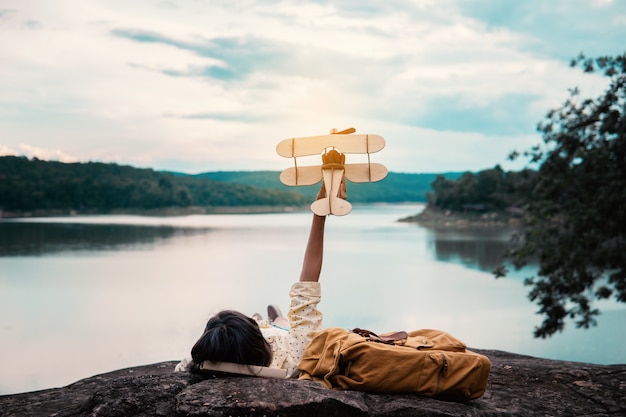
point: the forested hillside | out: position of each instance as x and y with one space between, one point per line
395 188
47 185
488 190
27 185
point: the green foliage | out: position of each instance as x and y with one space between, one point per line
395 188
27 185
488 190
576 220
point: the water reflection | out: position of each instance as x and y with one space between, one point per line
28 239
477 249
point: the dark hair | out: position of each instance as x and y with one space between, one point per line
230 336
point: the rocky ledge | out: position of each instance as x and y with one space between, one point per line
471 219
518 386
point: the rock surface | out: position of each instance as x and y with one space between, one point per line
518 386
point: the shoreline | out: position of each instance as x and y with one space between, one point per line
434 218
159 212
173 211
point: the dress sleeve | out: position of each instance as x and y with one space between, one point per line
304 320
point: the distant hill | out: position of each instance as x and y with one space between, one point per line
95 187
396 188
36 185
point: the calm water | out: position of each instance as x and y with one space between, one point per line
85 295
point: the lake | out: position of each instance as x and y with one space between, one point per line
90 294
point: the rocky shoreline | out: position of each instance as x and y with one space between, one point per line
434 218
518 386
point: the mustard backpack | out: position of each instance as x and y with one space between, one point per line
425 362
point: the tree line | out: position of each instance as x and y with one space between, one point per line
488 190
395 188
34 184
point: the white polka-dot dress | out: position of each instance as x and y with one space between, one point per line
304 320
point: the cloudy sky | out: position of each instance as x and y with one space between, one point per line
206 85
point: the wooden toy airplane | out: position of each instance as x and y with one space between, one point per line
333 148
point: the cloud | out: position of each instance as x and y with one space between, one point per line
452 85
500 116
7 13
35 152
216 116
236 57
558 28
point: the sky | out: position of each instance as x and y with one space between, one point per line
196 86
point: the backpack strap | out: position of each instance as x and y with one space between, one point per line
393 338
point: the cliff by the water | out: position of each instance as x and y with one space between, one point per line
518 386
